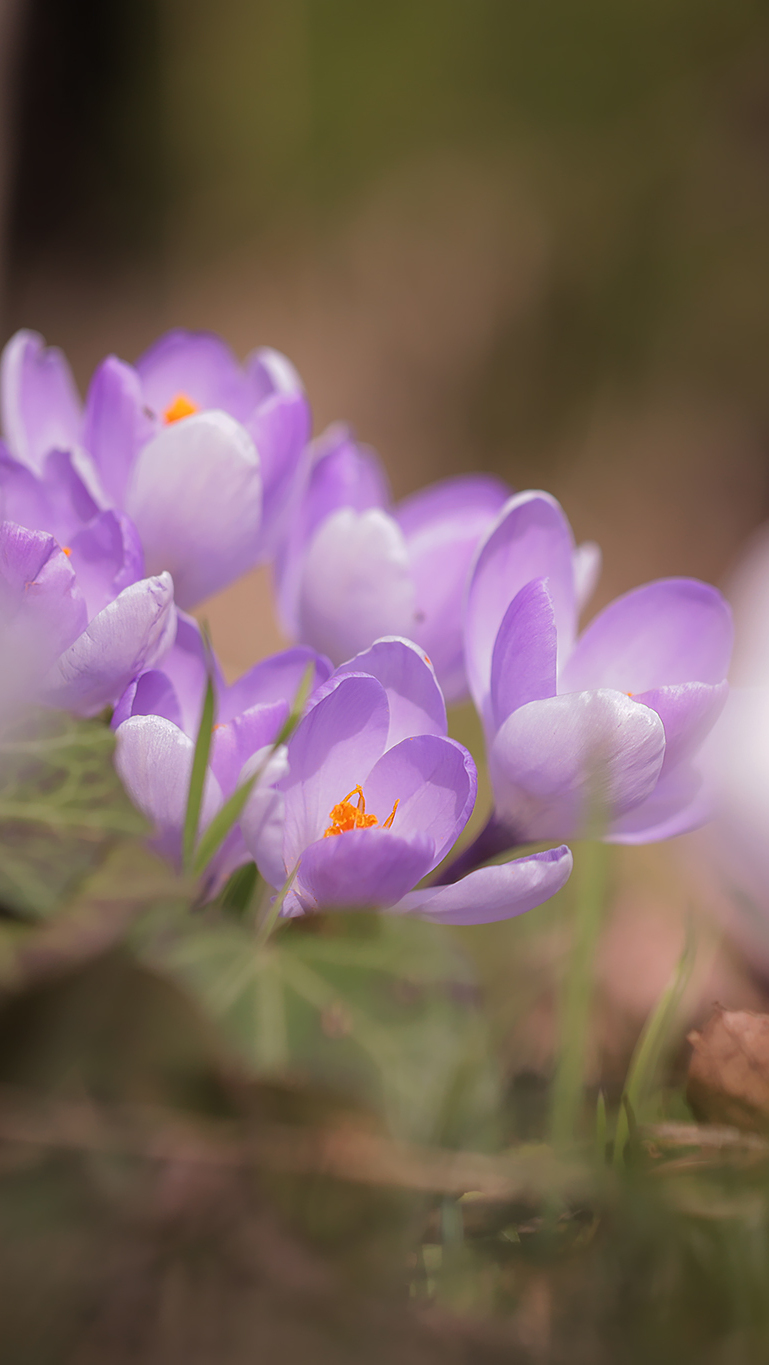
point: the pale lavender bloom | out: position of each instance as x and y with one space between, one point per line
603 727
157 722
375 797
201 452
64 647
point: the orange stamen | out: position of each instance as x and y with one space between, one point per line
66 550
181 406
345 816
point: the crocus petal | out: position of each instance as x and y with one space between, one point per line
338 473
531 539
560 765
116 424
129 635
443 525
107 557
57 500
270 372
523 664
588 562
356 585
494 893
277 678
262 823
188 665
236 740
40 404
280 430
42 610
151 694
434 782
407 676
676 630
198 365
331 751
680 802
688 712
154 760
195 496
362 869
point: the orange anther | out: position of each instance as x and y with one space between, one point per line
181 406
66 550
345 816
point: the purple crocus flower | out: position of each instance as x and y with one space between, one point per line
70 645
355 568
157 722
201 452
606 726
376 795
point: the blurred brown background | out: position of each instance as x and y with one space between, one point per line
490 233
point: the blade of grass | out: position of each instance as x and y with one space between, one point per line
297 706
265 928
590 878
654 1039
198 776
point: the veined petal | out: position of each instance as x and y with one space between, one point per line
151 694
675 630
234 741
434 782
154 760
277 678
41 607
494 893
195 496
523 664
680 802
40 404
280 430
116 424
131 634
56 500
688 712
263 821
531 539
356 585
200 366
561 765
107 557
443 525
332 750
362 869
407 676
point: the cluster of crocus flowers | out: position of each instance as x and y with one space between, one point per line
182 472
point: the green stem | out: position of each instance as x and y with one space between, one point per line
590 881
269 920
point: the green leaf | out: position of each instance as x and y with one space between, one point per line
382 1008
198 775
62 807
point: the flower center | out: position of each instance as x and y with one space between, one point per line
180 406
346 816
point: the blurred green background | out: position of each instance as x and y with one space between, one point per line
490 233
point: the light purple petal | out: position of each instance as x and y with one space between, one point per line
676 630
236 740
270 372
588 562
356 585
127 637
116 424
41 607
198 365
280 430
154 760
680 802
107 557
331 751
523 664
151 694
262 823
362 869
443 525
531 539
56 501
434 782
337 473
494 893
277 678
561 765
187 664
413 695
688 712
40 404
195 496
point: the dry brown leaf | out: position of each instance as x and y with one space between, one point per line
728 1079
